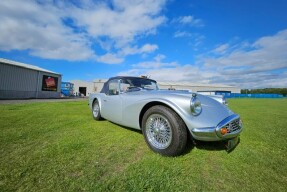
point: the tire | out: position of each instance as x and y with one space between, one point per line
96 111
164 131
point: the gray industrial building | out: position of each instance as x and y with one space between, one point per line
24 81
205 89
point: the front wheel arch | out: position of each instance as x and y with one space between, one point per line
147 106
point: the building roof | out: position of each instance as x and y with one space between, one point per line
189 84
27 66
100 80
180 83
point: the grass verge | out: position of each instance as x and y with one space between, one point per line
59 147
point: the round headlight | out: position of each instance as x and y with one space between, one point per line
195 106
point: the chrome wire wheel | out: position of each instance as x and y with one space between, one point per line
96 109
158 131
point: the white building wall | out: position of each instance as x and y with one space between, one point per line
97 85
198 88
89 85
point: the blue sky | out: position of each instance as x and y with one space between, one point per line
238 42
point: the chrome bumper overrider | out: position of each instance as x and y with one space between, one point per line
232 124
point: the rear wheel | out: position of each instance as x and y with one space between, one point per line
164 131
96 110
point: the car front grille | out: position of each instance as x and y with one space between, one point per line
233 126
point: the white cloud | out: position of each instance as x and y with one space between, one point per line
110 59
194 39
155 64
188 20
246 65
159 57
29 26
221 49
170 72
131 72
267 53
259 64
67 30
178 34
116 58
147 48
121 23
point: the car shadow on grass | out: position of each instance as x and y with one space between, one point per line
127 128
208 146
191 143
213 146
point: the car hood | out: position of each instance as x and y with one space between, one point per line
160 92
212 111
184 93
166 93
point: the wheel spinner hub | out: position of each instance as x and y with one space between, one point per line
158 131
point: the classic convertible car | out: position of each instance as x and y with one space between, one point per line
165 117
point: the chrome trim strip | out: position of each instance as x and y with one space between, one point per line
213 133
205 134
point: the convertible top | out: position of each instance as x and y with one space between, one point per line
124 78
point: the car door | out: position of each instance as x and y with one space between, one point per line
112 102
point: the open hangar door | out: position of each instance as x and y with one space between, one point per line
83 90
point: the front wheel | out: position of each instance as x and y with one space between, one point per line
96 110
164 131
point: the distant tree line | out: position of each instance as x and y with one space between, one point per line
282 91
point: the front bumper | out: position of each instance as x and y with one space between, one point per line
232 123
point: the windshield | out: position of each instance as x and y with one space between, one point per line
135 84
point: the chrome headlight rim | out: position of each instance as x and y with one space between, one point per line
195 106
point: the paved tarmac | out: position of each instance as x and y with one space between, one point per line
14 101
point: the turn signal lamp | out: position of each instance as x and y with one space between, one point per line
223 130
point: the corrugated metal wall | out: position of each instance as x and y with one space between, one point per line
17 82
17 78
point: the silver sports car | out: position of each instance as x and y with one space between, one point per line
165 117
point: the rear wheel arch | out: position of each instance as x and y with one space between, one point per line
96 116
95 99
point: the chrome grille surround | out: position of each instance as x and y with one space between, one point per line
233 125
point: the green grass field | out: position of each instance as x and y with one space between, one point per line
59 147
